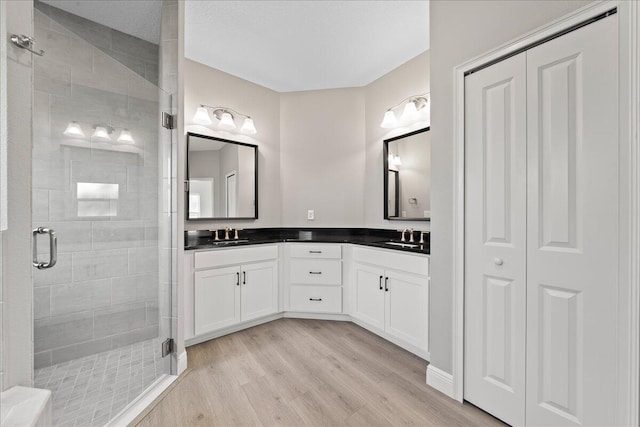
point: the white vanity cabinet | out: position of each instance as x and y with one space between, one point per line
314 278
390 296
233 286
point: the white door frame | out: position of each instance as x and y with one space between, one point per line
629 129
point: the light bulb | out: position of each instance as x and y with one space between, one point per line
202 116
125 137
101 133
410 113
248 126
226 121
389 121
74 129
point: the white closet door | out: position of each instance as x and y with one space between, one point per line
572 215
495 224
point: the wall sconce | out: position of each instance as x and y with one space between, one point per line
101 132
415 108
226 118
74 129
125 137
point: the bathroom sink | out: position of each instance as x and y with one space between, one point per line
228 242
402 245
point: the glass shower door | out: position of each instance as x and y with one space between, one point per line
102 182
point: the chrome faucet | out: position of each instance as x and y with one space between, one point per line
216 237
411 235
403 239
226 232
422 233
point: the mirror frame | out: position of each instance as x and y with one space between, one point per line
385 160
188 180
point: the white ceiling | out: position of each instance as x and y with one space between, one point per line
139 18
306 45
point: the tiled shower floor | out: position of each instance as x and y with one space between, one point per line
92 390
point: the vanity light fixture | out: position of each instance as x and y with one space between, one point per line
102 132
415 108
389 121
74 129
202 116
126 137
226 118
226 121
248 126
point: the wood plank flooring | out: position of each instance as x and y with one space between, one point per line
294 372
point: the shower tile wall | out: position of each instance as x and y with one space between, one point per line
138 55
104 291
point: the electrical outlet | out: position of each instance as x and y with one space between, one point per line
311 215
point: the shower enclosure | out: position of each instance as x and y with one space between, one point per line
103 185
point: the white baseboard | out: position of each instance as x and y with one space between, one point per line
182 362
317 316
440 380
231 329
140 403
400 343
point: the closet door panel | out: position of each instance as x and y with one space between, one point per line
495 192
572 226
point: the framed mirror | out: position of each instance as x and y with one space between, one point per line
407 176
222 178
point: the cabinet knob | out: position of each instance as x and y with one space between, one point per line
498 261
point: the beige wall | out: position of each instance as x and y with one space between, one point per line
205 85
461 30
319 150
322 146
411 78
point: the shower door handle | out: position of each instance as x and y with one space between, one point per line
53 248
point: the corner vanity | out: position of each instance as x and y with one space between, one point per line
367 276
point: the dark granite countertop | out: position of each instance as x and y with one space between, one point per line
204 239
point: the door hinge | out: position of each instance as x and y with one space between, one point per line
168 121
167 347
186 186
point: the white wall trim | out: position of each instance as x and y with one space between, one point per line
630 342
400 343
182 362
140 403
231 329
317 316
633 411
440 380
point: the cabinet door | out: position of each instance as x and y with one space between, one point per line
259 284
369 295
406 301
216 299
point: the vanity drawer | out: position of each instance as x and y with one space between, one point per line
316 251
316 271
315 299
